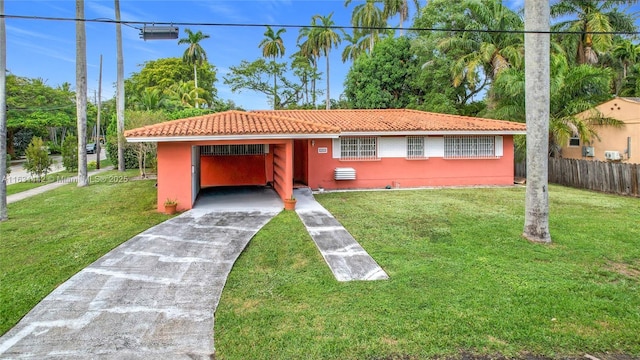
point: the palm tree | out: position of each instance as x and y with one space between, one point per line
355 47
325 38
573 90
369 18
627 53
311 51
303 67
537 46
273 47
3 117
485 53
119 89
81 93
592 16
399 7
149 99
195 54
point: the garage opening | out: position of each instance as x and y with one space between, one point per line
234 165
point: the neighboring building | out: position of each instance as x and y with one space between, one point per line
332 149
615 143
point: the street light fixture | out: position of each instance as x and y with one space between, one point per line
159 32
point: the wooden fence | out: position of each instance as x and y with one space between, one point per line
605 176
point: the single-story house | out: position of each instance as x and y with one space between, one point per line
615 143
330 149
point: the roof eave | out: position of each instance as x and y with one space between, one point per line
192 138
434 133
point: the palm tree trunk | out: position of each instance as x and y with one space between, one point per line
119 89
537 52
81 93
328 103
195 80
3 117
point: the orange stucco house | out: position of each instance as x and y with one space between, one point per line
330 149
615 143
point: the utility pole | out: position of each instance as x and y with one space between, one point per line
99 103
119 89
3 116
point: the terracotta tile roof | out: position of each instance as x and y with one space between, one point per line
396 120
232 123
315 122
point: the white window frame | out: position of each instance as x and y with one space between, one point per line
575 137
358 148
416 147
469 147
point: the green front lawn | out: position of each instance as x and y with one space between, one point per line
462 280
51 178
52 236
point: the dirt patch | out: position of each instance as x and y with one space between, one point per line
624 269
148 177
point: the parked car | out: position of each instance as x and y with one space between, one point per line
92 148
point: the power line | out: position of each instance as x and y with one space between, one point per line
293 26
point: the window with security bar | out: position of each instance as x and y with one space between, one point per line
358 148
226 150
461 147
415 147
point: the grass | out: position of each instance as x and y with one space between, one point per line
50 237
463 280
50 178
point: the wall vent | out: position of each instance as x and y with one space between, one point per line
344 174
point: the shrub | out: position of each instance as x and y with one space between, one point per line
54 148
38 161
70 153
130 158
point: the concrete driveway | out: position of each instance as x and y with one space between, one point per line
153 297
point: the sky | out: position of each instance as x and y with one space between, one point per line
46 49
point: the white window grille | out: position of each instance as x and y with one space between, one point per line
225 150
456 147
415 147
358 148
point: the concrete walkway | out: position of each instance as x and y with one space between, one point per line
346 258
44 188
153 297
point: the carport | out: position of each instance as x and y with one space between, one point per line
231 148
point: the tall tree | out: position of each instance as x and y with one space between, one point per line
195 54
3 116
369 18
537 44
311 50
326 38
119 89
591 16
355 47
273 47
399 7
485 54
81 93
573 90
627 54
256 75
385 79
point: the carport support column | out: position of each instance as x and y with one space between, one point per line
289 169
283 169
